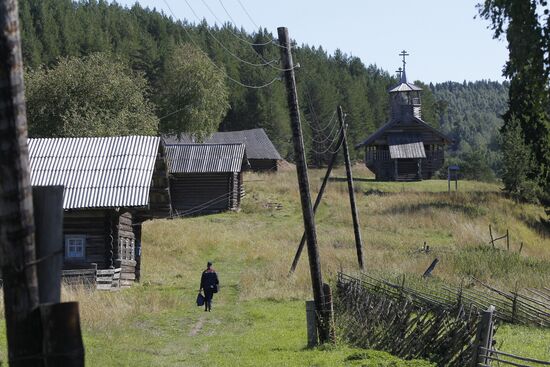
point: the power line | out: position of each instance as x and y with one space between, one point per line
328 149
327 137
252 44
218 67
235 23
329 124
266 63
203 206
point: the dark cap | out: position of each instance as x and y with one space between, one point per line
209 263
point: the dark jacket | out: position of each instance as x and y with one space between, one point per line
209 280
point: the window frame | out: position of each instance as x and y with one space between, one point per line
70 237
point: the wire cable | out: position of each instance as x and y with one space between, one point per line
203 206
328 149
238 82
330 123
327 137
235 23
265 62
224 47
253 22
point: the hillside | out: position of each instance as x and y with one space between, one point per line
470 113
145 38
259 316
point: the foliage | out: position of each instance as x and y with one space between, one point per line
470 113
147 39
526 24
473 165
91 96
193 97
518 165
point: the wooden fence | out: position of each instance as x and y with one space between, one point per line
403 326
378 314
529 307
104 279
487 355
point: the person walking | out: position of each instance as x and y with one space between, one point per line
209 283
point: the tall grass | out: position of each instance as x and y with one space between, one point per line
255 247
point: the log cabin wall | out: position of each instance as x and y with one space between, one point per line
201 193
159 193
263 165
125 258
92 226
109 240
235 185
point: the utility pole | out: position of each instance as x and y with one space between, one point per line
323 321
317 202
17 245
356 228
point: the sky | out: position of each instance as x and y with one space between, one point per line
443 39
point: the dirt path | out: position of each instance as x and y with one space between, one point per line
197 327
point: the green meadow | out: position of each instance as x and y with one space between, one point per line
258 318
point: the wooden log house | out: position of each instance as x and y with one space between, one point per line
406 148
112 185
261 153
205 178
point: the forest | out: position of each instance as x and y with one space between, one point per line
225 79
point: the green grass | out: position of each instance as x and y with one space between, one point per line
259 314
236 333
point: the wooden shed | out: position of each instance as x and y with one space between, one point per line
205 178
406 148
112 185
260 151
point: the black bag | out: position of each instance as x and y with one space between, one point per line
215 288
200 299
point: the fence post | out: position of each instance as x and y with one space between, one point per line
311 319
484 338
329 309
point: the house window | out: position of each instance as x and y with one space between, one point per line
75 246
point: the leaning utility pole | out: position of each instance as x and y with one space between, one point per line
17 246
323 322
356 228
317 201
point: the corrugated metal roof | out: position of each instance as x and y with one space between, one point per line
258 145
96 172
406 146
205 158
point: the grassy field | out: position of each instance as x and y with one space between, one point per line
259 317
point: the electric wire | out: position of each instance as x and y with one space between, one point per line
329 148
202 206
330 124
238 82
235 23
267 63
326 138
256 25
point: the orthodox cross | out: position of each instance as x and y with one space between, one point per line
404 54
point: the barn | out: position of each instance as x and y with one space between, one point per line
205 178
260 151
405 148
111 185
